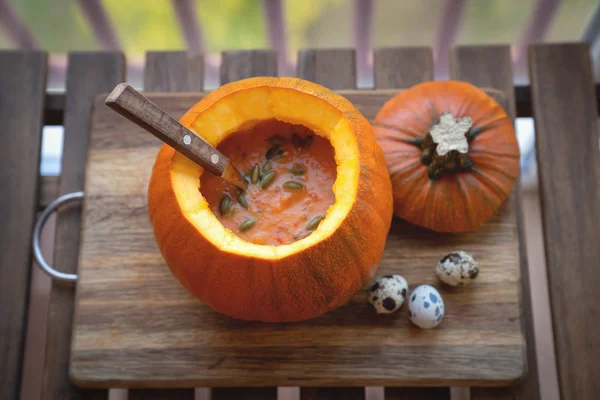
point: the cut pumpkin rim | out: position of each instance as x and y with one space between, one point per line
236 107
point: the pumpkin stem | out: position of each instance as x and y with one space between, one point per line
450 134
480 129
446 145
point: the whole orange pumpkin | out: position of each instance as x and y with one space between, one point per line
451 153
290 282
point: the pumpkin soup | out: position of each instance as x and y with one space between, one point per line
290 171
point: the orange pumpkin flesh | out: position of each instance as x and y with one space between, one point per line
291 282
457 191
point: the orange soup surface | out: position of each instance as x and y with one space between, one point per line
291 171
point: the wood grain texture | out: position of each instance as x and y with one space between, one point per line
255 393
402 67
569 170
137 326
334 68
332 393
174 71
87 75
22 87
236 65
169 72
485 66
431 393
491 66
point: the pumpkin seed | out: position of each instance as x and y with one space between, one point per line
274 153
225 205
307 142
296 141
242 200
267 179
277 140
255 174
293 185
314 223
297 170
266 167
301 235
247 224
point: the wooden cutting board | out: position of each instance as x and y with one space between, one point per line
135 325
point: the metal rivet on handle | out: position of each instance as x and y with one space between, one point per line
214 158
187 139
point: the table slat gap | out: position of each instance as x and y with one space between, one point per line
332 393
244 393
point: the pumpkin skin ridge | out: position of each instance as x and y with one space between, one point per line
185 280
375 220
485 193
485 169
407 172
266 305
486 153
465 200
496 138
489 183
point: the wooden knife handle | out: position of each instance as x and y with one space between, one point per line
141 111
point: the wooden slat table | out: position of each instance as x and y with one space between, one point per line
391 71
335 69
175 71
22 87
238 65
569 169
491 66
565 109
88 74
395 68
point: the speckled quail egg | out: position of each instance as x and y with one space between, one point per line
388 293
457 268
425 307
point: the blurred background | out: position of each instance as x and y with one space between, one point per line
214 26
60 26
134 27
